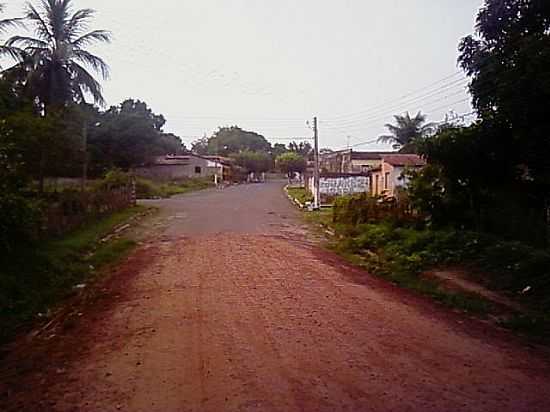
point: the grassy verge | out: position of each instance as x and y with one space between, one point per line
147 189
402 254
301 194
36 279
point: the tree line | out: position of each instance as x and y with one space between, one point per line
254 152
494 175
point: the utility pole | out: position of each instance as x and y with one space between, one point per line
316 177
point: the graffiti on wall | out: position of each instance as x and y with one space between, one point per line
345 185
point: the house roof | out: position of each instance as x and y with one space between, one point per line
404 160
369 155
170 160
219 159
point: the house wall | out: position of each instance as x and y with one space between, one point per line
395 180
193 167
362 166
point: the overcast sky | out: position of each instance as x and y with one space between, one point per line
269 66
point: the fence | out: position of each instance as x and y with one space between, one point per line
69 210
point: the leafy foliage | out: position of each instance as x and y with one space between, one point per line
147 189
364 208
127 136
256 162
494 176
291 163
508 59
55 64
231 140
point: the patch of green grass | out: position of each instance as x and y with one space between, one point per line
39 276
400 255
301 194
82 238
111 252
148 189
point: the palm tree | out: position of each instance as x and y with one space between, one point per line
56 61
406 131
6 24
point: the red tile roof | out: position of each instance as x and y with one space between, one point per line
404 160
369 155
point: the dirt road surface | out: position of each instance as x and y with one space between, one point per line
229 306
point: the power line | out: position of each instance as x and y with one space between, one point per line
372 120
384 108
402 97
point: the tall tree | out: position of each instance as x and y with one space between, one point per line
128 135
256 162
406 131
56 61
230 140
508 60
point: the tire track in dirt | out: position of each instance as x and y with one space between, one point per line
243 322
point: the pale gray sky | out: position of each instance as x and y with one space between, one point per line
269 66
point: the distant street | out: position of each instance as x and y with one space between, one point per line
229 305
246 209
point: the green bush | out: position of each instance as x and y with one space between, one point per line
147 189
19 221
507 266
364 208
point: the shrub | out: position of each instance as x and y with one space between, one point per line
363 208
19 221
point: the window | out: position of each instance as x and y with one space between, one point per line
387 180
198 170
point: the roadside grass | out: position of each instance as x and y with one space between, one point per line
148 189
301 194
38 277
402 254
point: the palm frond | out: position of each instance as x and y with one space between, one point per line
6 24
24 42
93 61
96 36
78 22
386 139
14 53
41 27
85 81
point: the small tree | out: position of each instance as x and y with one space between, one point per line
290 163
254 162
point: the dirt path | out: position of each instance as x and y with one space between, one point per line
266 322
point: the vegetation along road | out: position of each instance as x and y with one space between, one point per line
230 304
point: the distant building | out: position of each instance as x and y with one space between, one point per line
174 167
345 172
387 178
349 161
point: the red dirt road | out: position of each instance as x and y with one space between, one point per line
266 322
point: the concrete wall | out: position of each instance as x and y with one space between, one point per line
332 186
